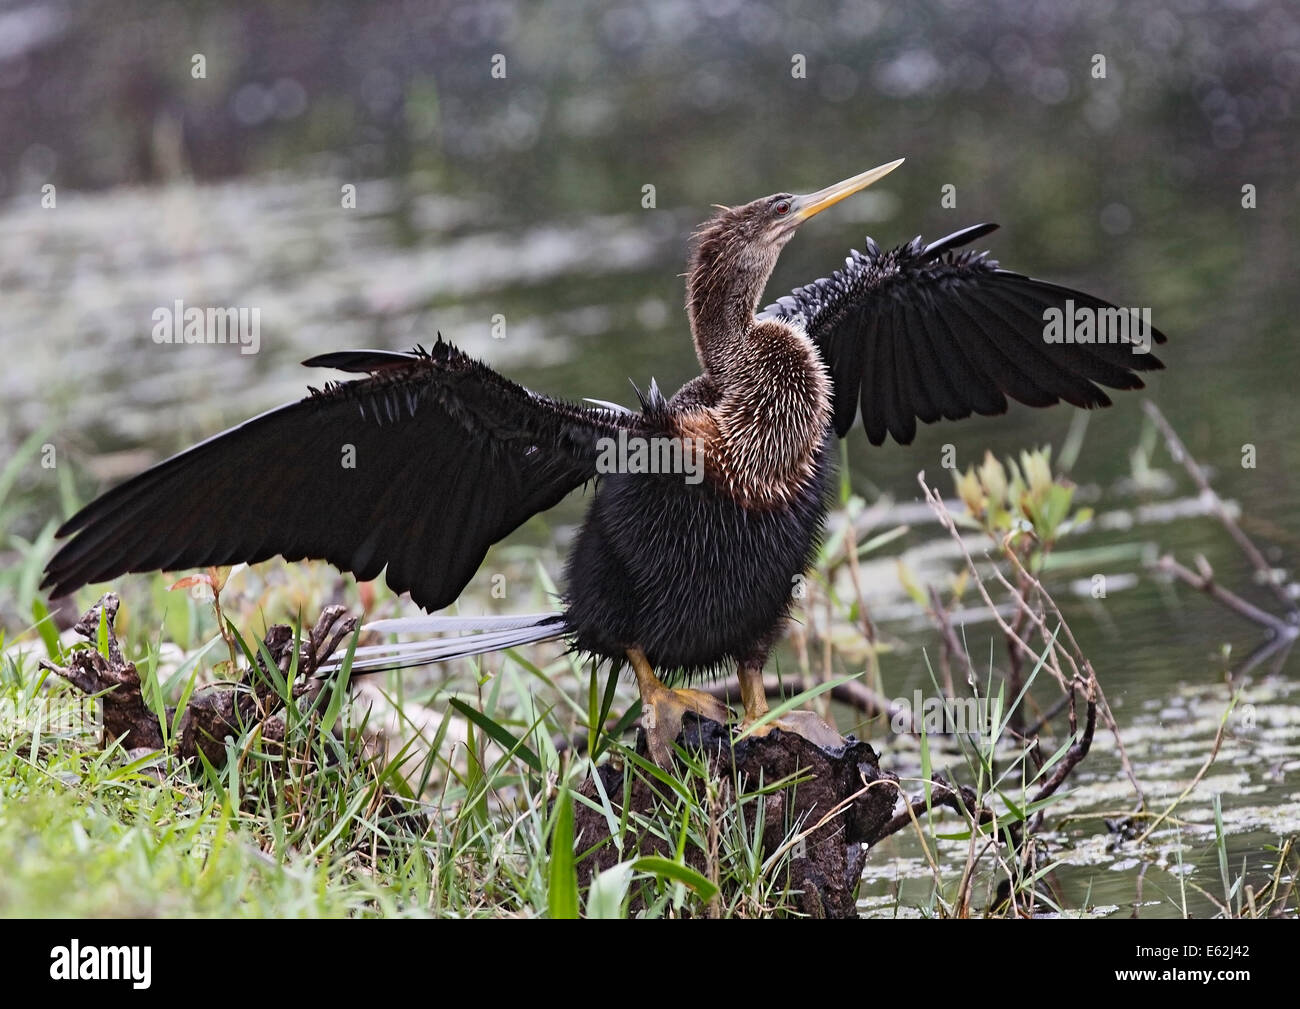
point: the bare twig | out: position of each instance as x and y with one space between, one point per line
953 645
1082 668
962 799
855 576
1180 454
1077 751
946 520
1057 707
1205 582
1087 673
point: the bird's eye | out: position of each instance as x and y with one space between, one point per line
782 208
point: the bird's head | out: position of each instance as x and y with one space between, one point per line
736 250
768 223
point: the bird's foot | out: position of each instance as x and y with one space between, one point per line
662 712
663 708
808 724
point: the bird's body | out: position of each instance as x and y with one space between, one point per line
698 576
416 469
693 577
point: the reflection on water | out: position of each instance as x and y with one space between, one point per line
517 207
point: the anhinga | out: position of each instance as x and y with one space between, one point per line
685 577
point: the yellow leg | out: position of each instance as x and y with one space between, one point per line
752 692
808 724
663 708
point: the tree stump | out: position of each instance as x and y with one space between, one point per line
216 710
826 865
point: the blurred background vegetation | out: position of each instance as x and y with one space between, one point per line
522 197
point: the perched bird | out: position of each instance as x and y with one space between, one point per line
417 468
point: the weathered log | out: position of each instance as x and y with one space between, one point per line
845 801
214 711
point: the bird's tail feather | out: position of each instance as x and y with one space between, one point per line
488 634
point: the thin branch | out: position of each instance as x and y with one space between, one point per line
1091 675
1078 749
1204 582
946 520
1180 454
1057 707
961 799
952 644
855 576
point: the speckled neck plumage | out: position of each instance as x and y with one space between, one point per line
771 406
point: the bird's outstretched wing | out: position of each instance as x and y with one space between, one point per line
923 332
420 467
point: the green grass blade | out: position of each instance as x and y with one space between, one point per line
797 701
499 734
562 891
46 629
339 689
676 872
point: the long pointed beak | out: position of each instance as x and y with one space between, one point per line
815 203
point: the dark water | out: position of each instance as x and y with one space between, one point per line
522 198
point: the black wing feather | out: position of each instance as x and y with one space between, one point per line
873 413
925 331
446 457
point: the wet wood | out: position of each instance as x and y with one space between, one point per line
846 803
214 711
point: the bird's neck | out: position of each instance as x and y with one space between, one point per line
772 404
722 292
